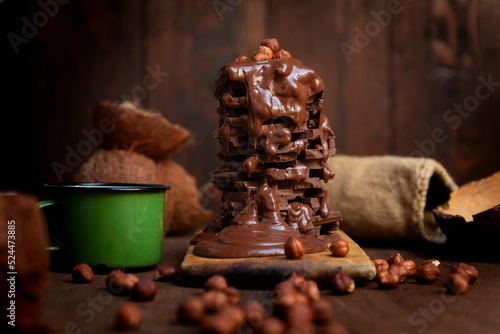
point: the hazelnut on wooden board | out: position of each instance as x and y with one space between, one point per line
339 248
271 43
456 283
82 273
387 280
427 273
396 258
129 316
342 284
145 289
216 282
294 249
167 274
191 309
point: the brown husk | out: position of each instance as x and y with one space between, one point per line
473 211
117 166
185 207
139 130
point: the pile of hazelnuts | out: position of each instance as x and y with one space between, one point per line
297 308
269 49
129 315
396 270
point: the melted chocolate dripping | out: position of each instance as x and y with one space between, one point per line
271 93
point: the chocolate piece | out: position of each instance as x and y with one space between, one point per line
275 142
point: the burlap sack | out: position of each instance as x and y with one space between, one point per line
389 197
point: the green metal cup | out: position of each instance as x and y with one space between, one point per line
115 225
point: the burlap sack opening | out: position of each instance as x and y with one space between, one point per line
389 197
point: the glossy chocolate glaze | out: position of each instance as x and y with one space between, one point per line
276 90
257 231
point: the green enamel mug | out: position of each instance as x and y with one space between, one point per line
109 225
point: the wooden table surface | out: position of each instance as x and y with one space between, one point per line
411 308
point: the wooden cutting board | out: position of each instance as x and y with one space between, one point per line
267 271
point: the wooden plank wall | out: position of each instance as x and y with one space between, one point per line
411 61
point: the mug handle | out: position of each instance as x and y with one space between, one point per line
41 205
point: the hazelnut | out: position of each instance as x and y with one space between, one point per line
285 287
266 51
123 284
145 289
271 43
339 248
285 296
342 284
282 54
191 310
301 317
323 312
427 273
456 283
226 321
236 313
434 262
167 274
387 280
271 325
216 282
82 273
399 270
396 258
129 316
410 266
217 324
294 249
257 56
471 271
380 265
312 291
111 278
254 313
298 282
241 58
233 295
301 298
215 300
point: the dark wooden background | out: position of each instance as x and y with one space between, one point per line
393 92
